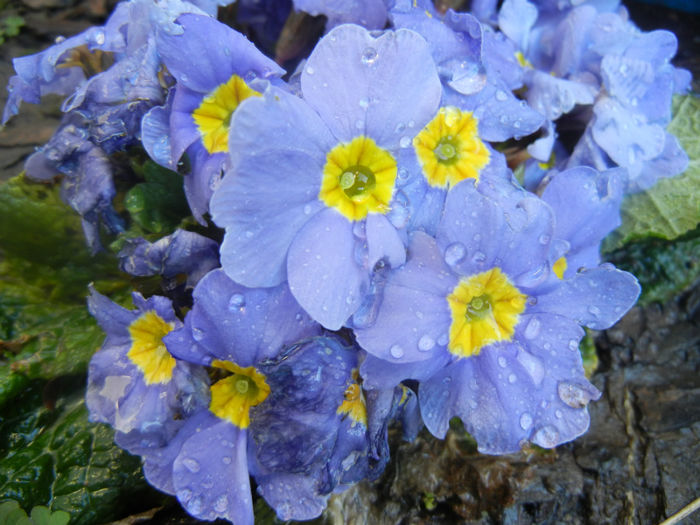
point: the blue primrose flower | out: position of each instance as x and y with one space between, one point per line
476 317
309 197
196 120
134 383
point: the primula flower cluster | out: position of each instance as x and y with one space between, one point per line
380 261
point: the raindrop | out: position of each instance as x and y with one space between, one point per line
396 352
310 70
364 103
226 460
426 343
236 303
402 174
532 329
558 414
99 38
405 141
594 311
197 333
544 238
369 55
195 506
400 127
221 504
573 345
502 362
307 209
547 437
512 378
478 257
443 340
454 253
501 95
573 395
191 464
525 421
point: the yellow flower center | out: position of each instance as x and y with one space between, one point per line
148 351
232 396
524 62
449 148
354 403
358 178
485 309
213 115
559 267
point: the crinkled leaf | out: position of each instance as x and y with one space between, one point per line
157 205
672 207
55 457
663 268
42 243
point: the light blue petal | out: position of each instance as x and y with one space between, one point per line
323 273
385 87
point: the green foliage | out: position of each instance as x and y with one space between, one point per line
664 268
588 354
10 26
49 453
672 207
158 204
12 514
56 457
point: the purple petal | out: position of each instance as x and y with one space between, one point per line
377 87
323 274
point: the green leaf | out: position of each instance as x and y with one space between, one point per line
43 245
57 458
157 205
12 514
43 516
664 268
672 207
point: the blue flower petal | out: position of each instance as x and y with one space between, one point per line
386 88
210 474
596 297
278 146
414 313
323 273
220 51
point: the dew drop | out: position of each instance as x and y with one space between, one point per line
402 174
547 437
310 70
573 345
400 127
191 464
501 95
454 253
544 238
594 311
99 38
443 340
405 141
502 362
558 414
226 460
478 257
532 329
396 352
512 378
221 504
573 395
426 343
364 103
197 334
369 55
525 421
307 209
236 303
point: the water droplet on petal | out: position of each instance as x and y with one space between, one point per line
547 437
573 345
532 329
544 238
191 464
236 303
502 362
369 55
454 253
364 103
197 334
512 378
226 460
310 70
443 340
396 352
501 95
573 395
478 257
594 311
221 504
525 421
405 141
426 343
